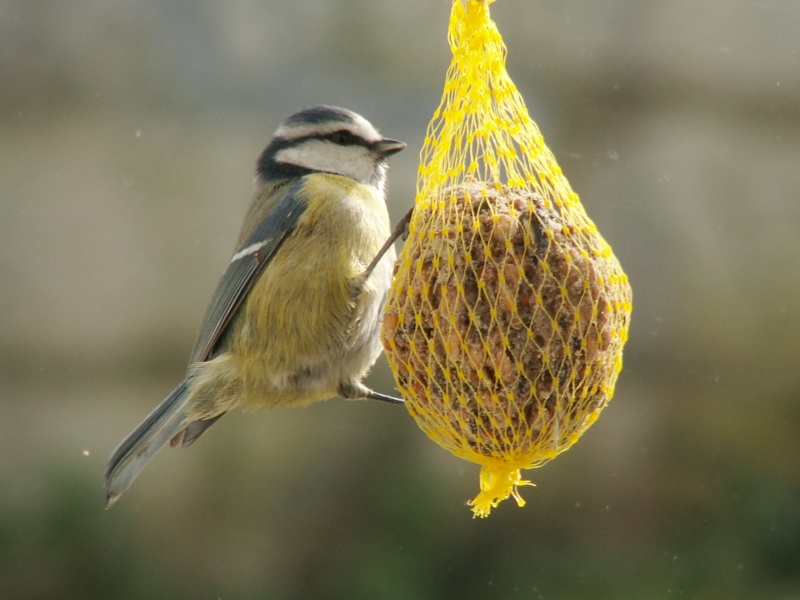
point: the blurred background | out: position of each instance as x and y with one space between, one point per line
128 135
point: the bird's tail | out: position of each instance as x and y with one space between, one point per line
141 444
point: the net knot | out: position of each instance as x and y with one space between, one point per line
498 482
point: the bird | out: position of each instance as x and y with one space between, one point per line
295 318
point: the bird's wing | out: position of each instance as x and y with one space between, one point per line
246 265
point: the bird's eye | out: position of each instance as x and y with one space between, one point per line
343 138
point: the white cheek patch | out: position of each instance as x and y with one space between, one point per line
320 155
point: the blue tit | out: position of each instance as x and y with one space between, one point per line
296 315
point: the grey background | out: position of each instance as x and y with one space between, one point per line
128 135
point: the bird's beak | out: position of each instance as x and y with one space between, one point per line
387 147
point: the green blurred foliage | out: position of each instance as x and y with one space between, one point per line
128 132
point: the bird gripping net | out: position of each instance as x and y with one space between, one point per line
506 319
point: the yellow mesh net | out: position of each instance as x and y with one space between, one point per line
506 320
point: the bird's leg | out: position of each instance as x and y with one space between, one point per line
355 390
400 230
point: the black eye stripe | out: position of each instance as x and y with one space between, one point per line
267 165
344 137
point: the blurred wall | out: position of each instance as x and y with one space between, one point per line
128 134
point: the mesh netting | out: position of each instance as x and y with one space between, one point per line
506 320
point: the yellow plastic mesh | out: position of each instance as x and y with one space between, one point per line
505 323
